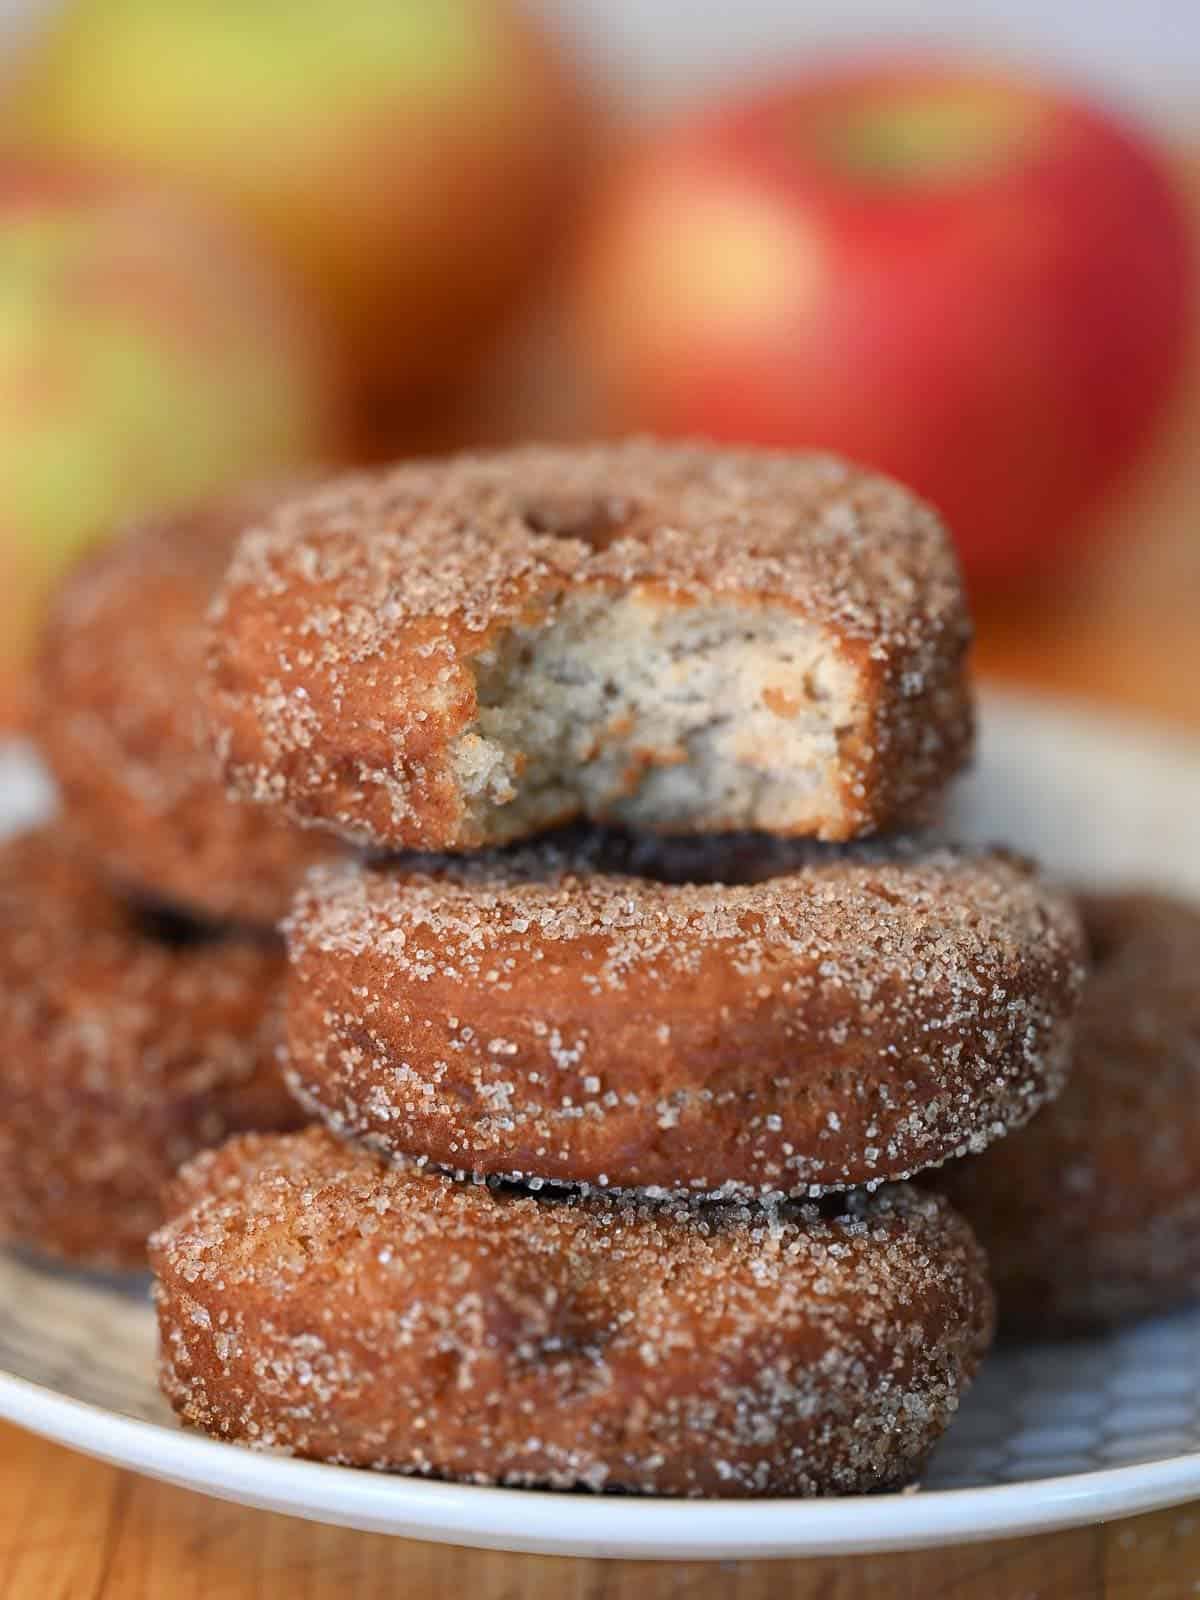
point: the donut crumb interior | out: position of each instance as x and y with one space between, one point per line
650 712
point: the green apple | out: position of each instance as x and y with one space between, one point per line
409 160
147 355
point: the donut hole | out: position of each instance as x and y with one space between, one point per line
647 710
1102 946
164 925
1105 932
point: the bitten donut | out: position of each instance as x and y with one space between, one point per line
863 1014
126 1044
1092 1214
680 638
122 652
315 1300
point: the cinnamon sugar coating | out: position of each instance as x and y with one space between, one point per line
1091 1215
126 1045
851 1016
117 722
315 1300
751 640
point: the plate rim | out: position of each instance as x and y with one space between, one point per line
543 1522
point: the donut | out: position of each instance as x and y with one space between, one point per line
128 1041
122 651
315 1300
862 1014
1091 1215
452 655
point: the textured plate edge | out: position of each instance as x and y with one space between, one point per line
528 1522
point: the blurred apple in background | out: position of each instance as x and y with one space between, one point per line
411 161
147 355
972 281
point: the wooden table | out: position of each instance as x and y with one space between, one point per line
73 1530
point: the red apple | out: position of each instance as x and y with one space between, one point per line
147 355
411 162
970 280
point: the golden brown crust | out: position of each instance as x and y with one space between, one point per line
117 721
315 1300
1092 1214
350 628
861 1015
122 1053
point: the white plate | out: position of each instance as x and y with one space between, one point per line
1050 1437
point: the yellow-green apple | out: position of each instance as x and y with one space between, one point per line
410 160
974 281
147 354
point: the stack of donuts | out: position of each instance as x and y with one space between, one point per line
616 1038
141 968
629 979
